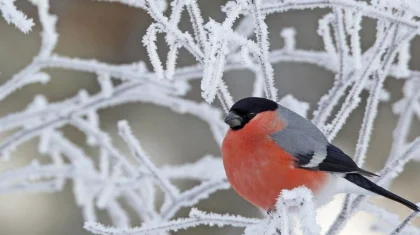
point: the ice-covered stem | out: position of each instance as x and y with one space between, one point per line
12 15
325 32
18 179
73 108
142 206
49 34
394 167
175 199
185 39
49 39
400 228
171 61
103 141
368 119
193 196
89 212
224 96
176 11
403 60
372 103
385 219
202 170
272 7
354 26
329 100
341 42
208 167
215 53
372 107
66 109
353 98
138 74
125 132
137 3
82 172
195 218
263 43
178 6
87 179
258 87
297 106
149 41
30 74
344 75
299 202
197 22
182 37
288 35
58 160
118 215
341 218
405 108
302 199
214 62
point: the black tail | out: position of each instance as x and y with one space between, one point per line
366 173
361 181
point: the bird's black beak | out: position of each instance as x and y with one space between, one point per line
234 120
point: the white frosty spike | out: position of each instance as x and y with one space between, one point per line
149 41
299 107
288 35
12 15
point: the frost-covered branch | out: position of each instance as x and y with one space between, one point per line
262 39
14 16
299 200
401 227
168 188
196 218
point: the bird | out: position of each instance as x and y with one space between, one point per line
269 148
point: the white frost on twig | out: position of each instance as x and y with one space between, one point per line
295 105
12 15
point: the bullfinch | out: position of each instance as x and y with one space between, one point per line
269 148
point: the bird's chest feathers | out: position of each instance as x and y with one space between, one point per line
250 153
251 159
256 168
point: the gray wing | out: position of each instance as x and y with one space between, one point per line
303 140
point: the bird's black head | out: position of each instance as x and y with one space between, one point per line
246 109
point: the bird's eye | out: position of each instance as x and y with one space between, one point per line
251 115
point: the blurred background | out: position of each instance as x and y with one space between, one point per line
112 33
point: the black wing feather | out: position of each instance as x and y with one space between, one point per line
335 161
303 159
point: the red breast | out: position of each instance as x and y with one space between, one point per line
257 168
